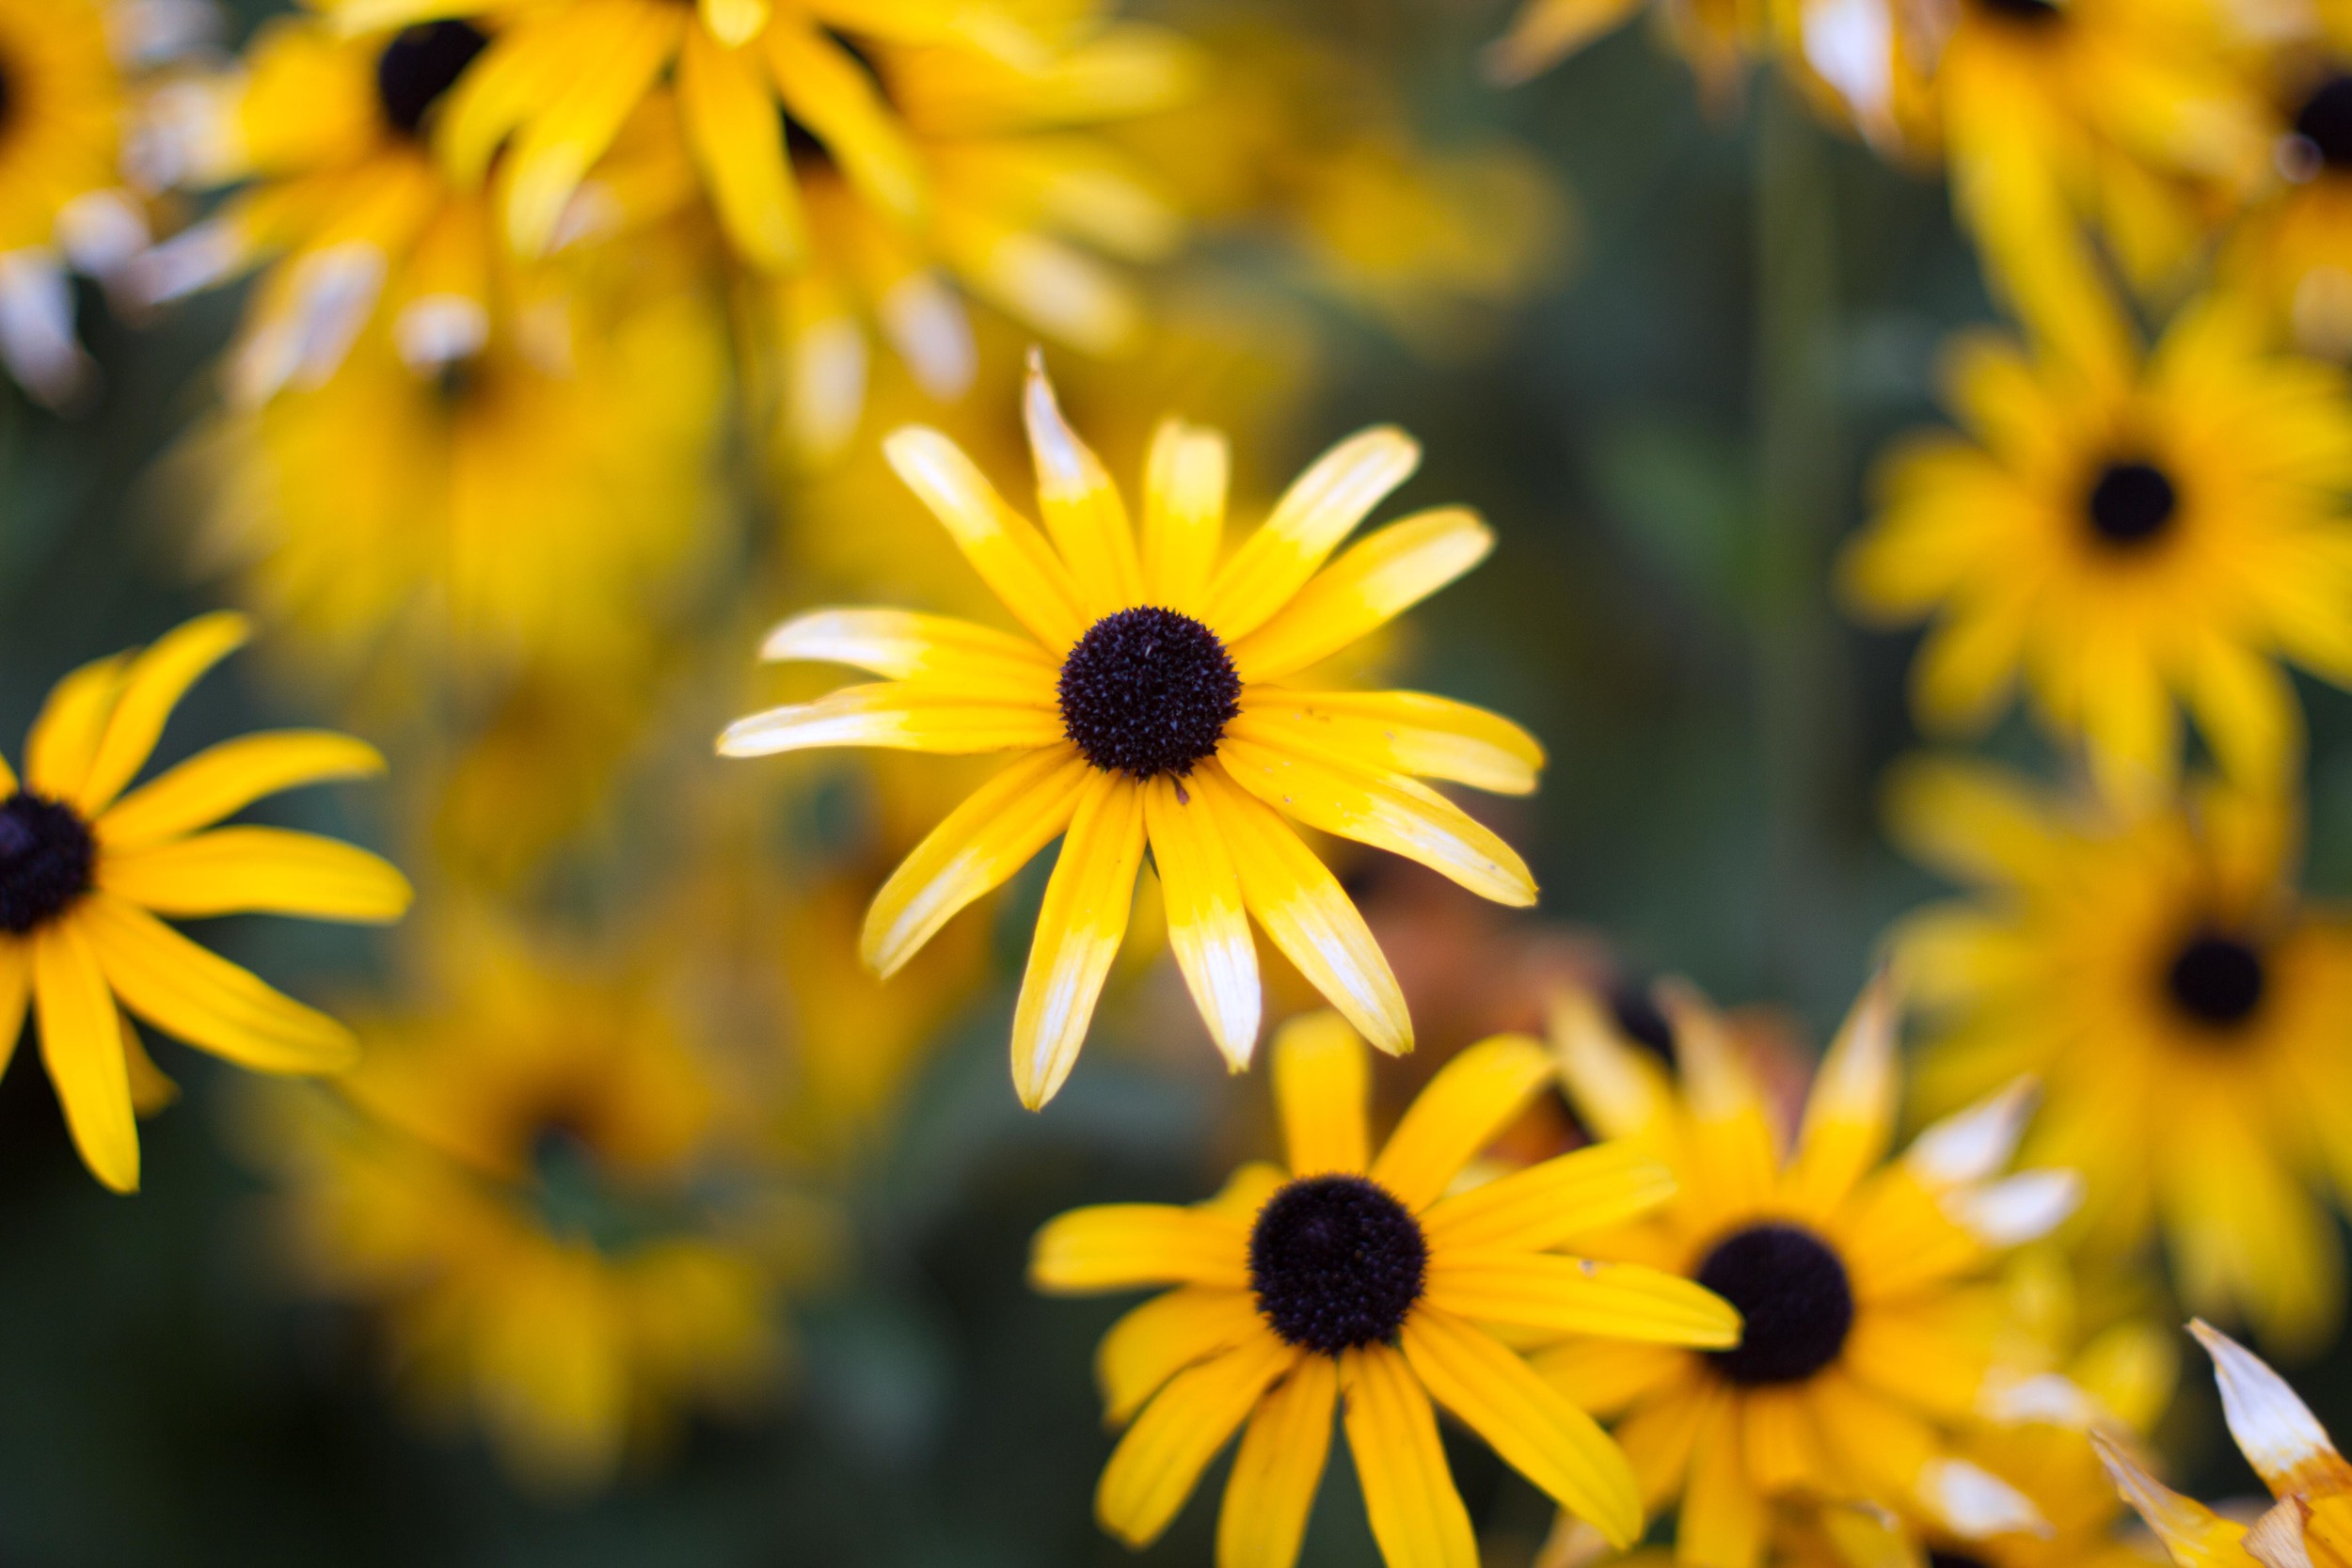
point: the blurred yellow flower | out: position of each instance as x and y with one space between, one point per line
533 1176
2124 537
1374 1279
1146 702
2311 1524
2159 974
1867 1345
85 869
2295 247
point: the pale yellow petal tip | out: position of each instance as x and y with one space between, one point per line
2274 1428
1977 1504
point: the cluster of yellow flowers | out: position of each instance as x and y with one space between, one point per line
546 301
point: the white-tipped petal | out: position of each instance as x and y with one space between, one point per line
2276 1540
1972 1145
146 33
194 258
37 326
825 387
2045 1398
2023 1207
101 233
438 330
2276 1431
2191 1532
1975 1503
927 323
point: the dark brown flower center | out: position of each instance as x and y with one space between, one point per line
1336 1262
1638 1018
2216 978
1794 1299
46 858
2130 503
2324 122
419 65
2033 13
1147 692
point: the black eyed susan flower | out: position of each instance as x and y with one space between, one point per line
2125 540
2182 1006
2310 1526
85 869
1362 1281
1150 703
2294 249
1862 1284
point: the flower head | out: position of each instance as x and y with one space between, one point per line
1376 1280
85 869
1151 702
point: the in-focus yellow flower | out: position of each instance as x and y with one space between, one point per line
1378 1281
2183 1006
2311 1524
1720 38
2124 539
1868 1343
85 869
1148 702
530 1176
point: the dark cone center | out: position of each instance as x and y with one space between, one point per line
1793 1296
1638 1018
419 65
1940 1558
1336 1262
2031 12
46 858
1147 692
2325 121
2217 979
2130 503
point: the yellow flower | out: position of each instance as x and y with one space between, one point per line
1867 1342
2123 539
518 1176
2311 1524
1373 1279
1717 37
2295 247
85 869
2159 974
1147 704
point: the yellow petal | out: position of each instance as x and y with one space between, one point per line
228 777
1539 1208
2274 1430
1321 508
1605 1377
1463 1109
1722 1514
1388 812
1548 31
1163 1337
1577 1295
1620 1092
1208 924
1323 1088
899 715
1083 510
733 127
733 23
1123 1247
1010 554
1372 584
65 737
1183 513
2193 1533
827 90
977 661
1079 929
1277 1469
151 1088
80 1045
992 835
1849 1113
153 686
1156 1464
1403 732
524 67
1307 913
1417 1515
1531 1428
618 52
205 999
257 870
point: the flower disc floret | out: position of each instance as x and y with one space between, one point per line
2216 978
2131 503
1336 1262
1794 1296
420 65
1147 692
2324 122
46 856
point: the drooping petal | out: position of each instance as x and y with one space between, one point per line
1577 1295
152 685
257 870
1849 1113
1539 1208
993 834
1010 554
1321 508
1079 929
1463 1109
1376 581
619 51
950 655
1276 1469
1084 514
1323 1090
2276 1431
898 715
1391 813
228 777
65 735
1307 913
1417 1515
197 996
1619 1091
1159 1461
1163 1337
1183 515
1400 732
1530 1427
2195 1535
837 99
730 121
80 1045
1125 1246
1208 924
